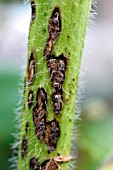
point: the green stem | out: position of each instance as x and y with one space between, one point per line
56 41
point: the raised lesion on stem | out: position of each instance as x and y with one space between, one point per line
31 68
54 29
33 10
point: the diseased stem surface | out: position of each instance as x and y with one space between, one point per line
56 40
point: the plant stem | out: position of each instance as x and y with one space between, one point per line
56 41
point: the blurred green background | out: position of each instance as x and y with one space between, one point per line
9 98
95 138
12 33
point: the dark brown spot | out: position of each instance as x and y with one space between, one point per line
51 135
41 97
57 63
34 164
39 113
57 102
31 68
54 26
39 128
52 63
62 63
27 127
33 10
57 68
30 98
57 79
43 165
54 29
24 147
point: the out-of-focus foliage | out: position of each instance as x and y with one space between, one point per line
108 163
96 136
8 101
107 167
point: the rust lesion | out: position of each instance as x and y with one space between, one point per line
33 10
57 100
47 130
39 113
24 147
31 68
34 164
54 29
51 135
30 98
57 67
43 165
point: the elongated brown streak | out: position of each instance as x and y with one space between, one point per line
39 113
54 29
31 68
24 147
33 10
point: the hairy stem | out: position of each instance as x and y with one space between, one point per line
56 41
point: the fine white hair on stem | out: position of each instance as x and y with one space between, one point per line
20 121
81 88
